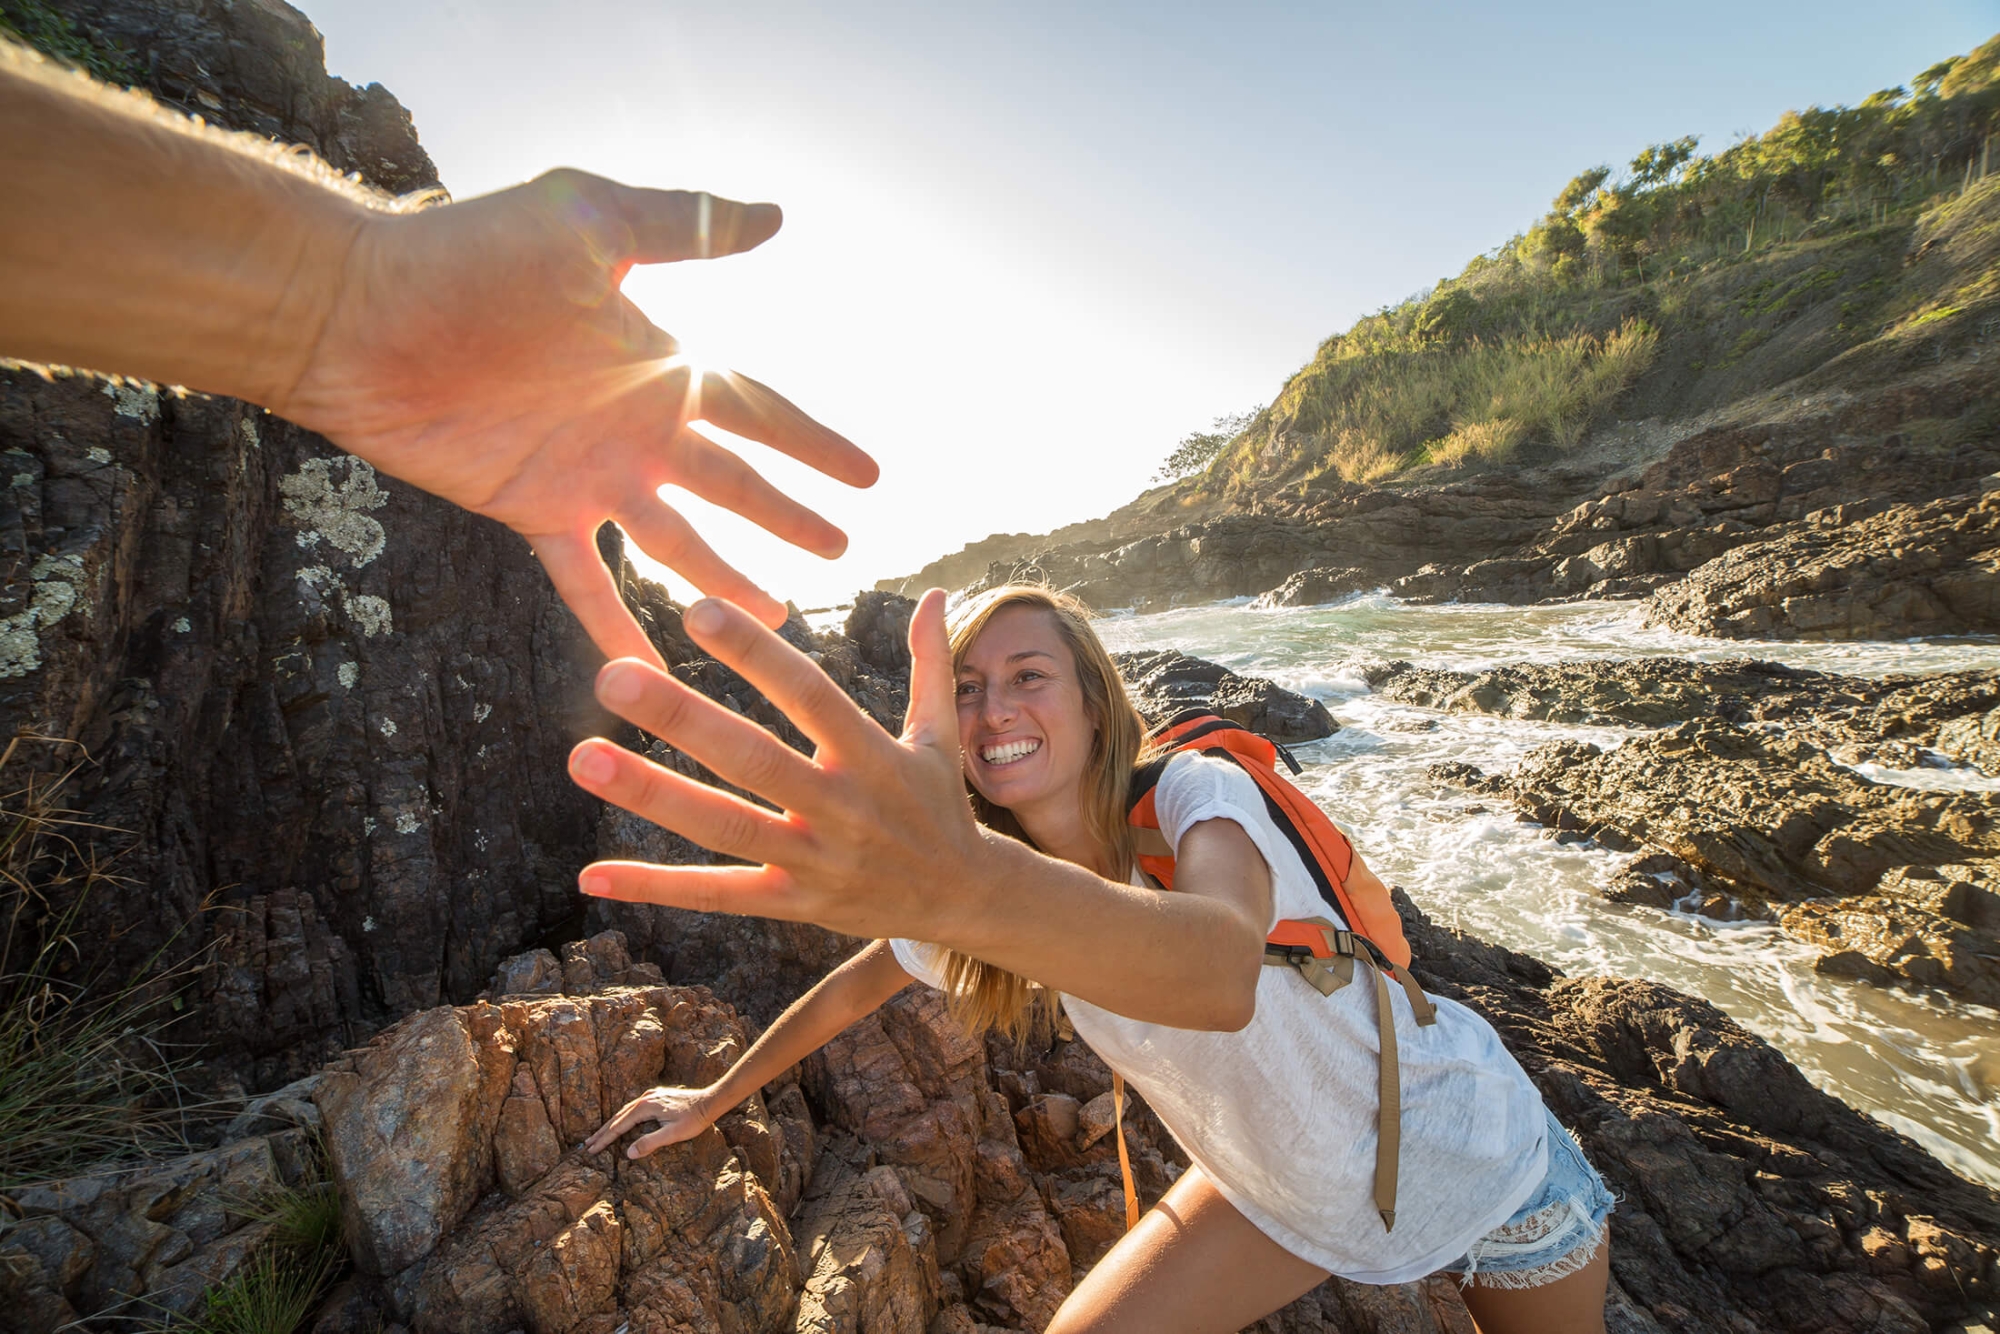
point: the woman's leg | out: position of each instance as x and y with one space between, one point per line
1194 1265
1570 1305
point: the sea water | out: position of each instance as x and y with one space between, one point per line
1926 1065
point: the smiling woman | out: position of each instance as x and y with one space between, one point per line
1331 1128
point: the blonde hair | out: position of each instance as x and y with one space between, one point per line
981 996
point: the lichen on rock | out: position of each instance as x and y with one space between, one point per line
336 512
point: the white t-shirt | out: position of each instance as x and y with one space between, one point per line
1281 1116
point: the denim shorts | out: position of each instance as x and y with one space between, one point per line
1555 1234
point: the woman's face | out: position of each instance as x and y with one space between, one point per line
1021 718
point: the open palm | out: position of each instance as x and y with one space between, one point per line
485 353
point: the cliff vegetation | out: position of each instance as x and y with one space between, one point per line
1666 285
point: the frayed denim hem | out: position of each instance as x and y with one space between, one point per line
1566 1223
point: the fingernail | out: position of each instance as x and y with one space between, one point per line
591 765
703 618
619 684
591 883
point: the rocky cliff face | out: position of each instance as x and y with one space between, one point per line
325 714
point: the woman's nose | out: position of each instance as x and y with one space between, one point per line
996 708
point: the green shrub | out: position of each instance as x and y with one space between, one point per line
52 33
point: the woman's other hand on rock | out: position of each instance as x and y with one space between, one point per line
872 835
484 352
682 1113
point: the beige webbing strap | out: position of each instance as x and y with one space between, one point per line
1389 1115
1124 1162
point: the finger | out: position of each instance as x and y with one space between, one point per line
646 1145
585 583
719 476
671 225
668 538
731 745
741 405
787 677
751 891
932 718
631 1114
719 821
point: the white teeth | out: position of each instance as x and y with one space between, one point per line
1007 754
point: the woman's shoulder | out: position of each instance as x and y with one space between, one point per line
1194 786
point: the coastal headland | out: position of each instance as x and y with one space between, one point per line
290 864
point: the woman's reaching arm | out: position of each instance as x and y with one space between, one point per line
856 988
874 837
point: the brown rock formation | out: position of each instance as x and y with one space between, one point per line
1925 569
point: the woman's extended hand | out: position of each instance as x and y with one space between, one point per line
682 1113
869 828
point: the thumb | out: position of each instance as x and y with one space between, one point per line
932 719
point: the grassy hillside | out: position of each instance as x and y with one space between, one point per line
1684 283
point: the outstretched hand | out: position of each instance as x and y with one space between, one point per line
866 828
484 352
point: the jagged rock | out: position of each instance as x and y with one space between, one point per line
159 1233
1773 818
869 1254
1311 587
1164 682
446 1138
1931 569
1747 1195
910 1082
260 68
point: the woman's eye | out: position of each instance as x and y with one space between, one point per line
1030 675
967 688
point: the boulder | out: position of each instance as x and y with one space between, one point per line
1164 682
1318 585
453 1139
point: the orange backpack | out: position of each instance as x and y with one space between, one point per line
1366 929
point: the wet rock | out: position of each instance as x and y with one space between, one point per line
1312 587
1772 818
1930 569
1164 682
1746 1194
1890 719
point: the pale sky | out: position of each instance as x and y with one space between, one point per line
1028 247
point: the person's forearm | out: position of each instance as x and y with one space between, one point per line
856 988
132 245
1183 960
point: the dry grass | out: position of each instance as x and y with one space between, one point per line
86 1076
1374 408
1491 441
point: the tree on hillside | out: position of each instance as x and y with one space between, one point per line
1198 449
